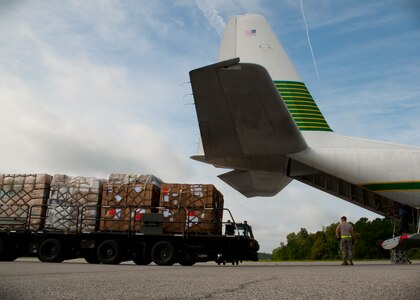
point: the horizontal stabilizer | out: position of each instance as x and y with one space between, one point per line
242 118
256 183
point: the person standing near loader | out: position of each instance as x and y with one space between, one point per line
344 232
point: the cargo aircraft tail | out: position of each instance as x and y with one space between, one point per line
257 117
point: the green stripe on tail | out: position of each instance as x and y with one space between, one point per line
302 106
393 186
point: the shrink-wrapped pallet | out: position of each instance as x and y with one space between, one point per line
125 197
73 200
23 198
193 208
120 178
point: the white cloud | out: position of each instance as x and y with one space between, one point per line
212 15
77 115
327 13
218 12
105 16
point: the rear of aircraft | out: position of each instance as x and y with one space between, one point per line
257 117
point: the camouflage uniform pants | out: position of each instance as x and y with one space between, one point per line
346 246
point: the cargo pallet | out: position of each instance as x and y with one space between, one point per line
143 239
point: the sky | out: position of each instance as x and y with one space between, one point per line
88 88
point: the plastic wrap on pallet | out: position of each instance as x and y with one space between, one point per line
193 208
119 178
23 198
125 197
73 200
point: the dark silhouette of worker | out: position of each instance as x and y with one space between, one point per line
247 228
230 228
404 212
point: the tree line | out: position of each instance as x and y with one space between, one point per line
323 244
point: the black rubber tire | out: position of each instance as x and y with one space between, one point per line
92 258
7 253
163 253
142 261
141 254
188 259
8 257
109 252
2 247
51 250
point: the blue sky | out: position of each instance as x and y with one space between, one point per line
93 87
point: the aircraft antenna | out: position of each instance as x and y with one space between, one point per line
309 40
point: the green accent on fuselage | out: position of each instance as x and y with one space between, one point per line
392 186
302 106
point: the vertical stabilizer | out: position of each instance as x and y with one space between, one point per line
250 38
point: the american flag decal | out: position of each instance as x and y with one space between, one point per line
251 32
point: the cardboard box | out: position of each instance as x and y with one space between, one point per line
125 197
192 221
192 208
24 196
190 195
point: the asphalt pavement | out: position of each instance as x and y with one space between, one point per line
30 279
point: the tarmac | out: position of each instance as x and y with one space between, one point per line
27 278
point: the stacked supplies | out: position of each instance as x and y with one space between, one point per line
73 200
125 197
23 197
193 208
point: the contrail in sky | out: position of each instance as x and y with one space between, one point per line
212 15
309 40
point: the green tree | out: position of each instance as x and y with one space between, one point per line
368 238
318 246
324 245
280 252
332 247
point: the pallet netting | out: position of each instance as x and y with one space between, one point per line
20 192
192 220
125 197
73 199
193 208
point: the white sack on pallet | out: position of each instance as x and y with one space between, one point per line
73 200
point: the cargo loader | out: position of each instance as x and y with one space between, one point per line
127 217
400 245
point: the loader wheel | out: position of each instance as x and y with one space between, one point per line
92 258
163 254
51 250
6 252
142 261
2 247
141 254
109 252
188 259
